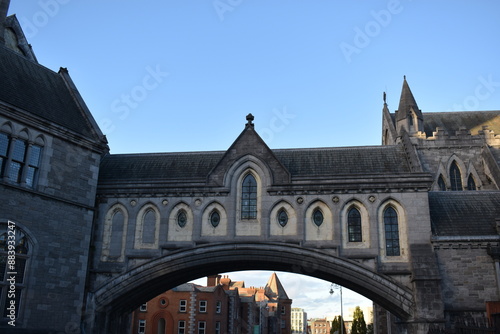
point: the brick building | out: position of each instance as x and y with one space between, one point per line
221 307
319 326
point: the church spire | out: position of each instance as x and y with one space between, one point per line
4 8
408 114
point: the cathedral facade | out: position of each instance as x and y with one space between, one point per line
87 236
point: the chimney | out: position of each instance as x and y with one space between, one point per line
213 280
4 8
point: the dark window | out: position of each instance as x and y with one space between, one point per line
182 305
33 165
391 232
25 160
4 149
455 177
318 217
182 218
142 326
215 218
203 306
354 225
202 326
441 184
17 163
181 327
282 217
217 327
471 184
249 198
218 307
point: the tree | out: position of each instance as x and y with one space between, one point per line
335 329
358 322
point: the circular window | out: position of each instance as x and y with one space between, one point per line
282 217
182 218
163 302
318 217
215 219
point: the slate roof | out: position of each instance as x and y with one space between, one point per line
158 166
464 213
470 120
300 162
344 160
40 91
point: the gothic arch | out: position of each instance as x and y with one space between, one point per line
471 171
365 224
126 292
461 166
314 230
402 229
112 239
143 220
291 226
177 232
207 227
7 128
442 171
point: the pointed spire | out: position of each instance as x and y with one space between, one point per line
274 289
4 8
406 103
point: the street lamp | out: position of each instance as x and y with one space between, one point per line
336 286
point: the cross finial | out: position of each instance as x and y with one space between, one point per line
250 119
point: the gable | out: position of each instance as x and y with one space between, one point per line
249 143
41 92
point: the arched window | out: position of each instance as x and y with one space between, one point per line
354 225
149 227
282 217
455 177
215 218
249 198
22 248
391 232
441 183
116 236
318 217
471 184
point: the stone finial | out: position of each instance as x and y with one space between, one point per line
250 119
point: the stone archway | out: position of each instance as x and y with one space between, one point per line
122 294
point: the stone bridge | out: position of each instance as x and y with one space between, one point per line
358 217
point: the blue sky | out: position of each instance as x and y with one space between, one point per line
181 75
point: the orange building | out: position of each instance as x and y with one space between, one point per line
221 307
319 326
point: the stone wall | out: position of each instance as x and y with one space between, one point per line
468 276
